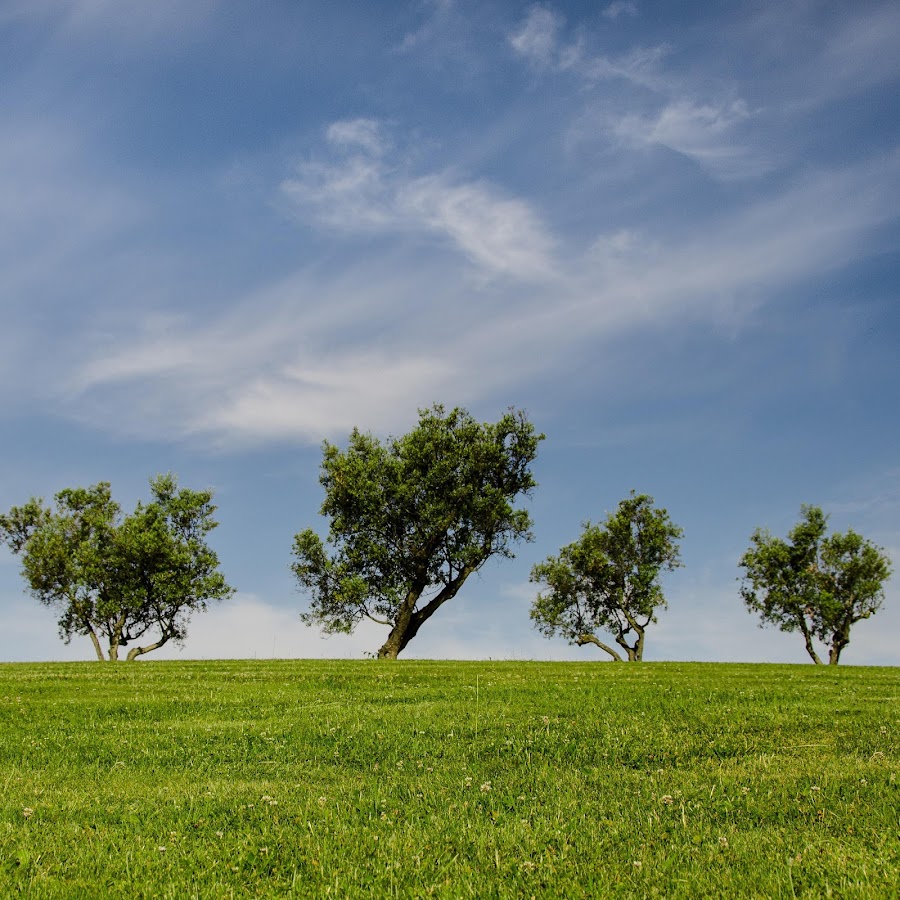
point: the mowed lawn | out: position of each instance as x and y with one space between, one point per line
448 779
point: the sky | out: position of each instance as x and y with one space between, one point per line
670 232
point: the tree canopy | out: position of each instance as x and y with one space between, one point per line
814 583
116 578
411 518
608 580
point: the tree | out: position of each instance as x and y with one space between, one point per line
114 578
608 580
814 583
412 518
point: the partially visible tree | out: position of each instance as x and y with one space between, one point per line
114 579
412 518
608 580
814 583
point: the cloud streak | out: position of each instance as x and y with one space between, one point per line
265 370
705 133
362 193
539 40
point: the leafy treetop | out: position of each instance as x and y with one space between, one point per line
814 583
608 580
412 517
119 578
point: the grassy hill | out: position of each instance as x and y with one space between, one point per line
448 779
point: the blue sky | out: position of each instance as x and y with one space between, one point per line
671 232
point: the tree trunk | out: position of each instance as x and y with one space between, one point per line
395 642
639 646
807 637
115 638
409 620
390 649
636 652
838 642
96 642
593 639
135 652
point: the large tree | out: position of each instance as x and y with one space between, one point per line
412 518
609 579
119 579
814 583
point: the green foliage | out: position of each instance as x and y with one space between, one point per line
412 518
608 580
814 583
319 779
119 578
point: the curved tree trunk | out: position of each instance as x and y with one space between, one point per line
409 620
391 648
135 652
593 639
639 646
635 652
96 642
810 649
398 639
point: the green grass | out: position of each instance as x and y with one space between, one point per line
418 779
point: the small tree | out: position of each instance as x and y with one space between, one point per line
119 579
608 580
814 583
412 518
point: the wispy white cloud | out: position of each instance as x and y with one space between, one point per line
350 195
620 8
308 357
364 133
437 14
361 192
312 397
709 132
312 357
537 38
640 66
706 133
540 40
501 234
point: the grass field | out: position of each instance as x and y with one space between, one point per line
287 778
